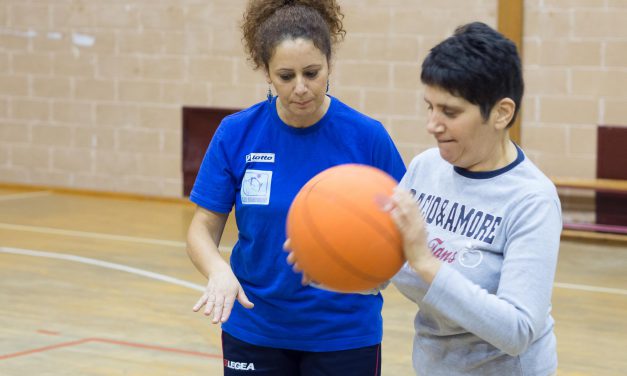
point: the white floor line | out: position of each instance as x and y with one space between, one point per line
573 286
19 196
98 235
161 277
103 264
91 235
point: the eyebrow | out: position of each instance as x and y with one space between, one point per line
445 105
312 66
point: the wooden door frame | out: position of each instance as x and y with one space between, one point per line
510 23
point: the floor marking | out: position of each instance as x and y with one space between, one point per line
193 286
98 235
607 290
47 332
42 349
109 265
112 342
19 196
92 235
103 264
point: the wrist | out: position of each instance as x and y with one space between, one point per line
217 266
427 268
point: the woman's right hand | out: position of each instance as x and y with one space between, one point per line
409 221
220 294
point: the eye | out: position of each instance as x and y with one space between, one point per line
286 77
449 113
311 74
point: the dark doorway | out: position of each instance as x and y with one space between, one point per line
611 207
199 125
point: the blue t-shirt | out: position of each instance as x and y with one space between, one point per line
258 163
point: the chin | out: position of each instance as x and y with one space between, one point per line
303 111
450 159
445 155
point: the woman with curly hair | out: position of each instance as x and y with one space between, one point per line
257 161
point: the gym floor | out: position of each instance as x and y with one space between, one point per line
101 285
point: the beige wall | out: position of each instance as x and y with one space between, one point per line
575 57
91 92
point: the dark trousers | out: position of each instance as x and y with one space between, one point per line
242 358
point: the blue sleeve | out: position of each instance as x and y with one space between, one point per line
214 188
386 156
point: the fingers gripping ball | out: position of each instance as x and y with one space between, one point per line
338 233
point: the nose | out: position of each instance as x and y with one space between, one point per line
301 87
434 123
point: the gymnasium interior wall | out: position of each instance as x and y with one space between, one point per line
91 92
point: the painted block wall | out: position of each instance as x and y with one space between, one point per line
91 92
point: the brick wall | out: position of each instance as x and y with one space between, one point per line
377 68
575 57
91 92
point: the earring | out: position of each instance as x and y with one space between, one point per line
327 86
269 94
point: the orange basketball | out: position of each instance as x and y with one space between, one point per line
339 235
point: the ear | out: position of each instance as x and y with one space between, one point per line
266 73
502 113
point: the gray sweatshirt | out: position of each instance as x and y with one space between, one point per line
487 312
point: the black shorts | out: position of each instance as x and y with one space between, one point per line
242 358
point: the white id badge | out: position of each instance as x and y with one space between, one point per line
256 187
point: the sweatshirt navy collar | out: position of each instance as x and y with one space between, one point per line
490 174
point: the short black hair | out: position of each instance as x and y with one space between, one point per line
478 64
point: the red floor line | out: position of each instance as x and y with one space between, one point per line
113 342
158 348
42 349
48 332
596 227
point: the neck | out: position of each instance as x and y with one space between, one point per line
303 121
508 153
500 155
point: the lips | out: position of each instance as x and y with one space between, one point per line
302 104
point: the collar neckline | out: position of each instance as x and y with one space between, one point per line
520 156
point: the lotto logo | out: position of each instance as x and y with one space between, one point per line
260 157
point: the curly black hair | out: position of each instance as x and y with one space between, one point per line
266 23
